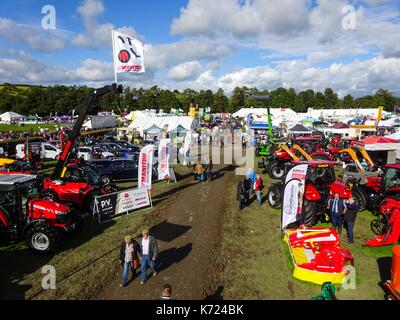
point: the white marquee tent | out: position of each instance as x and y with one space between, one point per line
142 124
11 116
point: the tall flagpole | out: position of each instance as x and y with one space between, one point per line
113 44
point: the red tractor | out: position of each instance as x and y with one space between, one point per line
275 163
337 144
321 185
370 193
23 216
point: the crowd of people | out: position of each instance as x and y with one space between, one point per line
251 184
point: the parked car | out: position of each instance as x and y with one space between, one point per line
115 149
89 153
126 145
46 150
115 170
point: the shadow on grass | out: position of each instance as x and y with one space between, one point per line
167 232
17 260
172 256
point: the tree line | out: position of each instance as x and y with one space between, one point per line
63 99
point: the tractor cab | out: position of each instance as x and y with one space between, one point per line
310 144
390 181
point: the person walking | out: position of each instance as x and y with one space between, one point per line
209 170
259 186
240 195
149 254
166 292
336 208
128 257
350 215
247 187
198 171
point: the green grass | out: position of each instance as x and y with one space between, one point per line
86 262
257 263
26 127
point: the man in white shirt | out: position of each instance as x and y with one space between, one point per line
149 253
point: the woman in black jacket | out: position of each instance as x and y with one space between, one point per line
240 195
350 215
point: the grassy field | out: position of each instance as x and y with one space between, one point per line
256 263
84 261
26 127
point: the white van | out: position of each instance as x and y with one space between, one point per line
47 151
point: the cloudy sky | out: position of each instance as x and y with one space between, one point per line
352 46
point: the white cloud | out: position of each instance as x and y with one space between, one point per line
96 34
184 71
357 78
202 17
35 37
170 54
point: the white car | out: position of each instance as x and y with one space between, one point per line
47 151
87 153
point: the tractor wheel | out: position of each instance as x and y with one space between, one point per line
274 197
360 198
41 238
49 195
276 171
309 213
378 227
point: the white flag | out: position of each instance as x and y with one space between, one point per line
128 53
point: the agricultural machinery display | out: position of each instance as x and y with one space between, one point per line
275 163
375 189
320 185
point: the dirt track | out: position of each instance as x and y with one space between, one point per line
188 238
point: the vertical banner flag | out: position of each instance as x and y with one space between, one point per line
379 116
293 194
163 159
145 167
128 53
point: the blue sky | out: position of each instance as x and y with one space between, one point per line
207 44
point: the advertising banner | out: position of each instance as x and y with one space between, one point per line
293 195
112 205
163 159
145 167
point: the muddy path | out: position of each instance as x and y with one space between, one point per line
188 239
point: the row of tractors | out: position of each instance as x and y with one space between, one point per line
41 209
377 191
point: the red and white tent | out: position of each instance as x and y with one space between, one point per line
378 143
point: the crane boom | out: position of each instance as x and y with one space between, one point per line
76 131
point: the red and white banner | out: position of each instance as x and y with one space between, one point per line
292 205
145 167
128 53
297 172
163 159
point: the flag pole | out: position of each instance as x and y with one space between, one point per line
113 44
